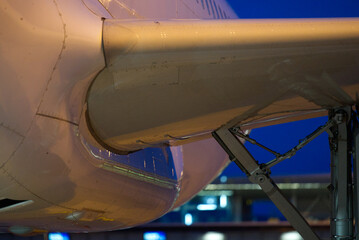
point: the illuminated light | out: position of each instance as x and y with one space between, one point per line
223 179
213 236
223 201
211 200
154 236
59 236
206 207
188 219
291 236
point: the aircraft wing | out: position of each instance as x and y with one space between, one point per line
167 81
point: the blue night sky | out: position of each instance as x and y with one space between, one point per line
315 157
295 8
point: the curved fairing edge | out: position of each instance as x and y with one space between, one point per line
170 80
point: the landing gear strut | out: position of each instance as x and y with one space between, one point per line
342 128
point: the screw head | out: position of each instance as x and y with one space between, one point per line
261 179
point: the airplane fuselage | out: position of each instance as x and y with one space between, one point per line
106 105
50 164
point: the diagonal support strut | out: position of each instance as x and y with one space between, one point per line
343 130
239 154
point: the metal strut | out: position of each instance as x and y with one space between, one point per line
340 142
342 129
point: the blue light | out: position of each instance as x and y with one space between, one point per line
59 236
206 207
188 219
291 236
223 179
223 201
154 236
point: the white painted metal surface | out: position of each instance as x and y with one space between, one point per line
172 79
51 51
